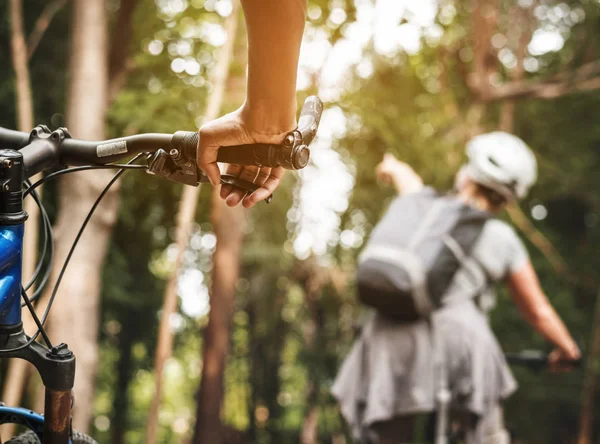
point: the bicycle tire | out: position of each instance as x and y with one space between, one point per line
31 438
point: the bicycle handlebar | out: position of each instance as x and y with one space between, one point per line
535 359
293 154
174 155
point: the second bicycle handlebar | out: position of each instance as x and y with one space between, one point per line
535 360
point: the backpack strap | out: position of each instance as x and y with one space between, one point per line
460 254
457 246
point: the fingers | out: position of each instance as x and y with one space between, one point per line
206 155
555 362
271 182
561 361
231 130
207 162
235 196
233 170
267 178
224 131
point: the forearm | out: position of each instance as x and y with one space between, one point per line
536 308
406 181
275 29
549 325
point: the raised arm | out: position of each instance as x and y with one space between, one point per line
399 174
535 307
275 29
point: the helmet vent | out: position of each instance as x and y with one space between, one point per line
493 162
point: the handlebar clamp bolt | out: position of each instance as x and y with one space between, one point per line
289 140
7 163
174 153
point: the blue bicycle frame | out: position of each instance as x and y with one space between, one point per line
56 365
18 415
11 246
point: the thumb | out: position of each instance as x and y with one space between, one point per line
207 161
213 173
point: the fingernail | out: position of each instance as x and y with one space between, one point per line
230 200
224 192
261 194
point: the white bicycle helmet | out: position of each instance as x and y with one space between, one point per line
501 162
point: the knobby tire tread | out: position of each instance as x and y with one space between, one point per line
31 438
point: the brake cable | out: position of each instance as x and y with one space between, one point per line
40 323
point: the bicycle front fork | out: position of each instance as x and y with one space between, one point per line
57 416
56 367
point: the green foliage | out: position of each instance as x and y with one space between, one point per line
417 107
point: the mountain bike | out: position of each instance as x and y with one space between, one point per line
22 156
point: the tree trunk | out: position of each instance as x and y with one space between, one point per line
164 348
75 315
254 357
185 219
118 423
311 420
586 429
42 23
313 279
522 18
19 59
25 123
228 224
119 54
484 25
18 370
265 301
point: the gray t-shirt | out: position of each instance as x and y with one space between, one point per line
391 369
497 253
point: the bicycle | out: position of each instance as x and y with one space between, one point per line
22 155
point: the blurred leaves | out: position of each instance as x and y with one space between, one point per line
417 106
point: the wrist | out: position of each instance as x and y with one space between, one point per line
266 118
570 350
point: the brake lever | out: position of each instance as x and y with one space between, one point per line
175 167
228 179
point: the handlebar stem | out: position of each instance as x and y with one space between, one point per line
43 150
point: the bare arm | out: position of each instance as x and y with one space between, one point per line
275 29
399 174
535 307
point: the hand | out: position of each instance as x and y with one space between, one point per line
228 130
400 174
387 169
561 360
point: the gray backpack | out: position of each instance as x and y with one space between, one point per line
414 253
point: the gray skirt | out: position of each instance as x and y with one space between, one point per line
394 369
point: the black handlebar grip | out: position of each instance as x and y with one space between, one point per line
186 142
527 358
289 157
536 359
258 154
310 116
